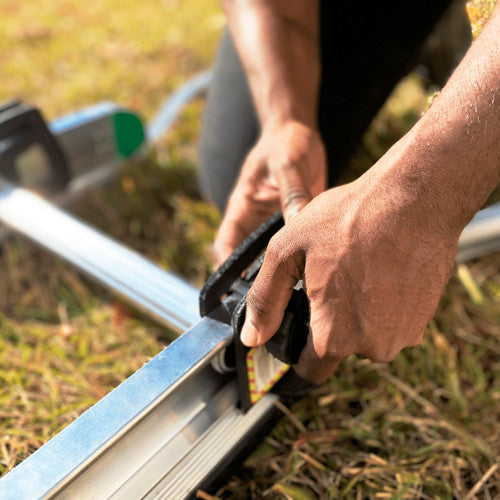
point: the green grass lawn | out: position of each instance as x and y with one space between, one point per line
425 426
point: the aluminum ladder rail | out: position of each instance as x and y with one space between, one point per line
173 424
481 236
147 427
166 430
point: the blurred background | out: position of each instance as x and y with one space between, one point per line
425 426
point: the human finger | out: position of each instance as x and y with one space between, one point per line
243 215
319 358
294 193
270 294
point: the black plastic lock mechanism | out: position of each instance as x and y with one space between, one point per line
223 298
30 155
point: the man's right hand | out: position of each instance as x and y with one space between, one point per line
286 168
374 256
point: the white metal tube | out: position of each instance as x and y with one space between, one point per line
482 234
159 293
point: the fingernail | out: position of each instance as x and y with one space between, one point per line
249 335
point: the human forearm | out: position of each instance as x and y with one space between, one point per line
450 162
376 254
278 42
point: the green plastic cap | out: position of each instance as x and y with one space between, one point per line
129 132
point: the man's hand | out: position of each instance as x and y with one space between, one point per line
374 264
376 254
278 43
286 168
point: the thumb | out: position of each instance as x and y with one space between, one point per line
294 194
270 294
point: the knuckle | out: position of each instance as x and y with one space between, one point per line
321 355
328 342
416 338
323 348
316 369
284 254
287 164
276 249
328 350
378 357
384 354
311 374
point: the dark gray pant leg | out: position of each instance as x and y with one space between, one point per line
230 127
361 63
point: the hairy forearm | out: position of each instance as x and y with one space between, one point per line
450 161
278 43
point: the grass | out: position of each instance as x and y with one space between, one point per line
65 343
425 426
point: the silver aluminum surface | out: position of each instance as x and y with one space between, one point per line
87 138
162 295
231 428
180 421
482 235
173 104
156 444
175 448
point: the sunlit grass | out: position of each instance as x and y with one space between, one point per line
425 426
65 342
66 54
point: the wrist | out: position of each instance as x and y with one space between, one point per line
417 183
449 163
277 122
455 167
278 101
